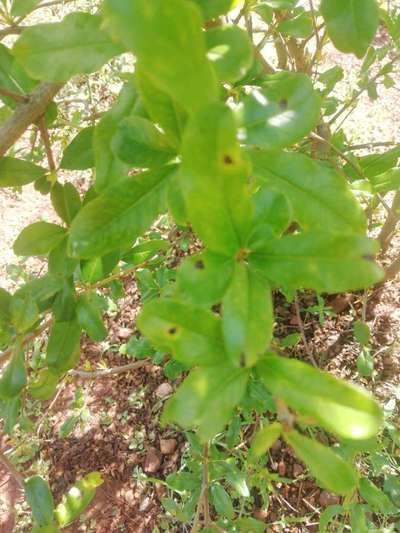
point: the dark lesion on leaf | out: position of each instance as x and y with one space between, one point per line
172 331
199 265
283 104
228 160
368 257
242 360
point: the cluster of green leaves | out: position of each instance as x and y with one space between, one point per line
204 131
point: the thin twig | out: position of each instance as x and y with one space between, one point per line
302 332
49 408
26 114
47 143
354 98
19 98
98 374
369 145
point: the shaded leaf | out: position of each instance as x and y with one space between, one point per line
40 498
16 172
78 155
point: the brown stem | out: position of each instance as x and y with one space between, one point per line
303 333
26 114
44 132
19 98
98 374
390 224
203 503
12 470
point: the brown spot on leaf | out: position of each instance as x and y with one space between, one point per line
283 104
199 264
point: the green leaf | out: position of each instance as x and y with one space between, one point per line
38 239
248 524
77 499
162 109
319 195
375 164
108 167
247 316
79 153
68 426
56 52
230 51
351 24
59 263
40 498
272 214
326 466
215 174
214 8
63 345
10 411
120 214
24 311
203 278
20 8
16 172
340 407
362 332
265 438
280 4
159 33
13 379
280 113
376 498
207 399
5 303
191 333
221 501
328 515
358 520
384 183
44 385
89 313
66 201
320 261
13 77
365 363
299 26
64 305
139 143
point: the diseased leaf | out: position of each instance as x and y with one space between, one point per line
319 195
280 113
207 399
336 405
351 24
120 214
160 33
329 469
79 153
203 278
16 172
57 51
215 174
191 333
320 261
38 239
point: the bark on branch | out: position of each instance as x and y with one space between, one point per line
26 114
